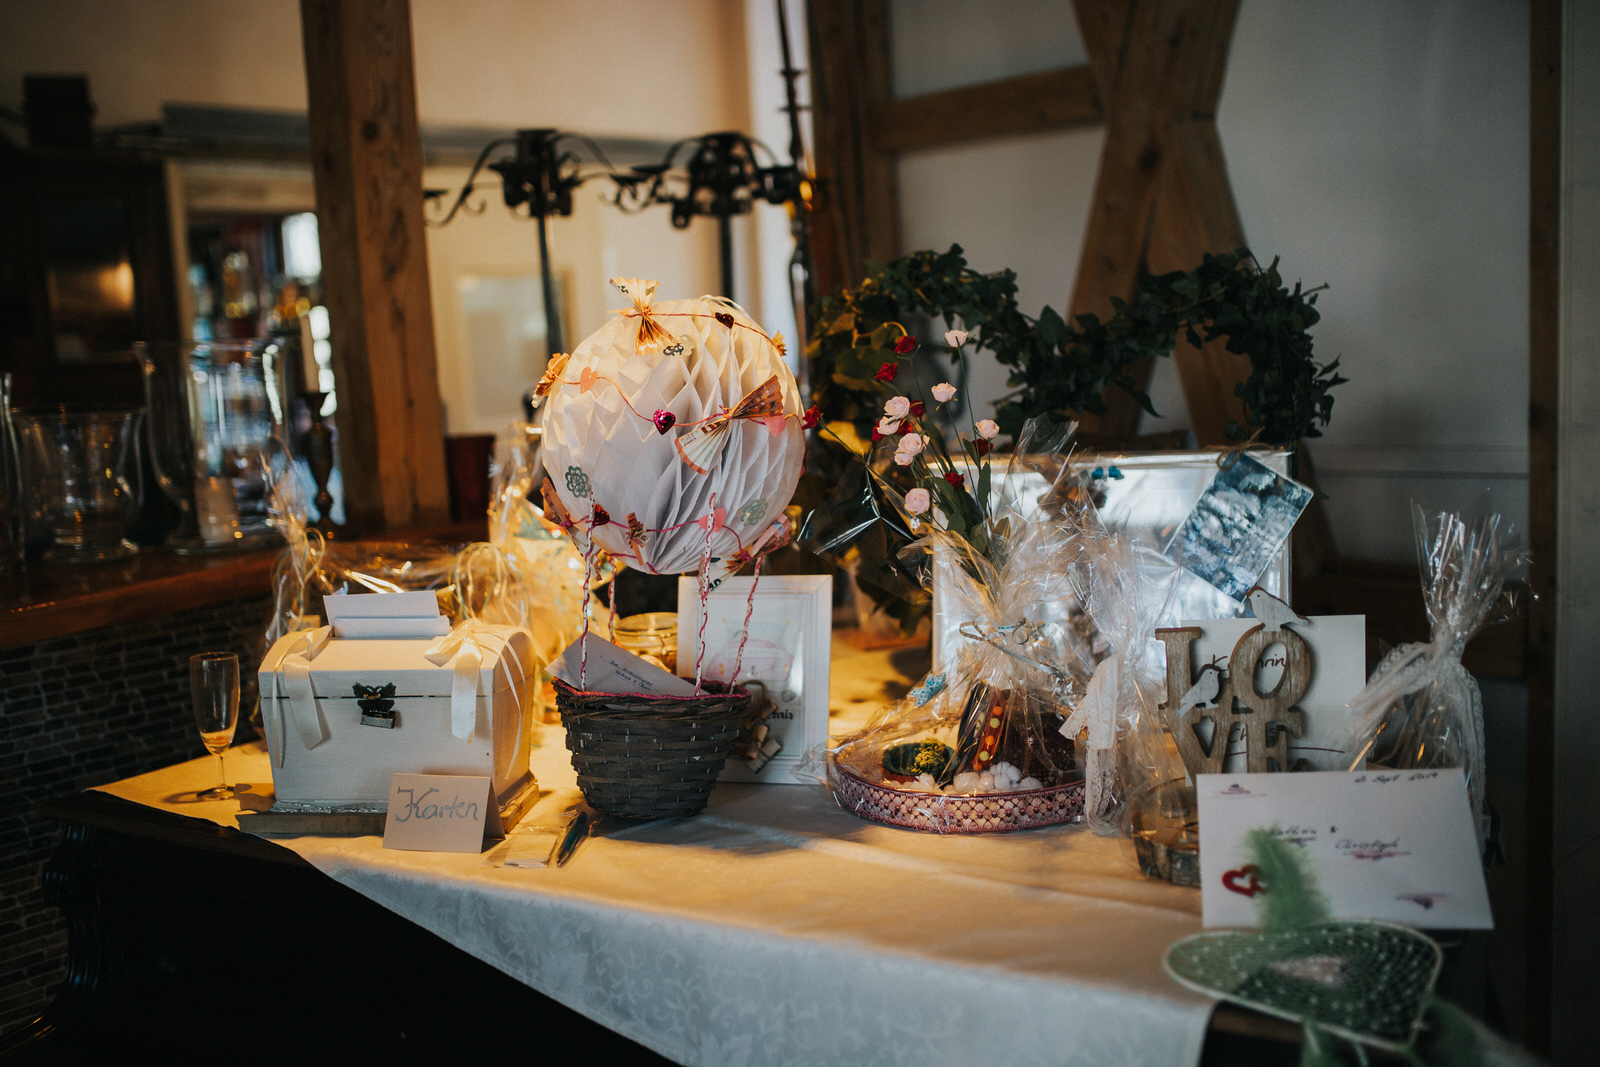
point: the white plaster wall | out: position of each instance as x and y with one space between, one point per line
943 44
1383 149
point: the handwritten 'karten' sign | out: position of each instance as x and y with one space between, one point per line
440 813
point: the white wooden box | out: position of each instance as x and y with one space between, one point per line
354 764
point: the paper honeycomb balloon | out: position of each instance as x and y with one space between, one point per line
672 422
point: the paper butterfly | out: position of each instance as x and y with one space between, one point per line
701 446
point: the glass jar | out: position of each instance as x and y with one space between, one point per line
654 633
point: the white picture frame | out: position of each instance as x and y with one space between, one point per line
787 650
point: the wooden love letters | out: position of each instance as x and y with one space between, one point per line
1228 697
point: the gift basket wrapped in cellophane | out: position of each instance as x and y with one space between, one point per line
1421 709
982 744
1137 784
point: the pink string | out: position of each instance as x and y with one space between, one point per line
611 621
749 609
583 639
703 582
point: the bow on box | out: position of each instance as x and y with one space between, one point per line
468 644
295 670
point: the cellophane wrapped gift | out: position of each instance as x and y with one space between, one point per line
1421 709
313 566
527 574
979 745
1127 591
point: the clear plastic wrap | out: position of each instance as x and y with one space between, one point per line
527 574
979 746
1421 709
1127 591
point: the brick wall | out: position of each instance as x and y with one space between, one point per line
81 711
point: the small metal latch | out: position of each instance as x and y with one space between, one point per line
377 705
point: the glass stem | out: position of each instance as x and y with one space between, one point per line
222 774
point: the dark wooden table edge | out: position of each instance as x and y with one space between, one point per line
103 811
175 588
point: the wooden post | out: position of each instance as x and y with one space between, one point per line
1539 852
856 216
366 159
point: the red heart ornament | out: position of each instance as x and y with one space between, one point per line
725 318
1243 881
586 379
714 521
664 420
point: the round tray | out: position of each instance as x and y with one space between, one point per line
986 813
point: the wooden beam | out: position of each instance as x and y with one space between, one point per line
1103 27
1051 99
1544 351
366 159
1130 169
1162 199
855 213
1195 215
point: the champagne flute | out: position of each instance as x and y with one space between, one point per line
214 686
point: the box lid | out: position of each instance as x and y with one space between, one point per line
378 661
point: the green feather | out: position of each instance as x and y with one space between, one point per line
1291 899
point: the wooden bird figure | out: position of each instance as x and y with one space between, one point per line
1203 694
1273 613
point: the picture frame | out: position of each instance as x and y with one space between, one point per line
786 650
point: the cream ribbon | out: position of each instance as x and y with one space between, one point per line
1098 711
468 644
295 669
1098 708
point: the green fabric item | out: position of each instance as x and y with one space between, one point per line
1292 900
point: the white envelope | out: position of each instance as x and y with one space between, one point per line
1392 845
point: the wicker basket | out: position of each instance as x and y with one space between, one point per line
986 813
645 757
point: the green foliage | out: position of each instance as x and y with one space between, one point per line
1063 369
1292 899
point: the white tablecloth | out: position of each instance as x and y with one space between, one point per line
777 929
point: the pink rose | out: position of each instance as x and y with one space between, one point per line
956 338
887 426
918 501
943 392
987 429
897 407
911 444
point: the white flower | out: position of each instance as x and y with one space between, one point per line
955 338
910 444
897 407
943 391
887 426
987 429
904 458
918 501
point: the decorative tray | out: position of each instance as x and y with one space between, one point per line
984 813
